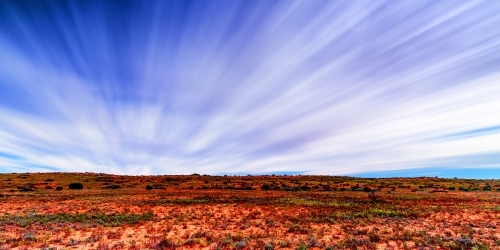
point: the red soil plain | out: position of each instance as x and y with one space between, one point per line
246 212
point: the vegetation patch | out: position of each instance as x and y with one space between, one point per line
103 219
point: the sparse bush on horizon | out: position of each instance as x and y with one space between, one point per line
75 186
113 186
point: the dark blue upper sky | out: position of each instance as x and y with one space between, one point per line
313 87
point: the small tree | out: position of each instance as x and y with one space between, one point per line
265 187
149 187
75 185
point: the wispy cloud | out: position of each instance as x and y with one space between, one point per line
320 87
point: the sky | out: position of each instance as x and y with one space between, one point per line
364 88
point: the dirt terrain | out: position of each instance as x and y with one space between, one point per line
40 211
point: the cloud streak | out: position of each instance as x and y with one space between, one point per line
223 87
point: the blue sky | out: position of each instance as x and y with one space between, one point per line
234 87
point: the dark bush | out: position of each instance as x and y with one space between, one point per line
75 185
59 188
451 188
26 189
114 186
265 187
305 188
149 187
367 189
374 237
268 247
48 187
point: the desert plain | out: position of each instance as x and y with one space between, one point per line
102 211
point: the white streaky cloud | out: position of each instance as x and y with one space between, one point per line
323 87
